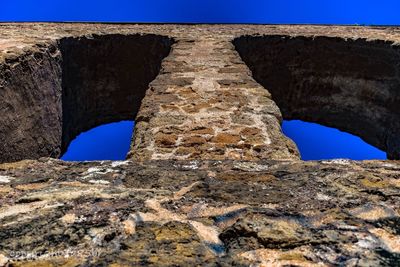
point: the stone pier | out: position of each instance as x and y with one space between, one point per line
204 104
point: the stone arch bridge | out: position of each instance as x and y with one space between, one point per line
210 179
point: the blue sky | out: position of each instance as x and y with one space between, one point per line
315 142
222 11
115 139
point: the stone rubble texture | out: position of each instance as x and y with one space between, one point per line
210 179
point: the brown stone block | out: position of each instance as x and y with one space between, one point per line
164 150
261 148
241 146
240 118
231 70
235 155
249 131
166 140
181 151
226 138
169 120
171 130
202 130
196 107
185 91
165 98
256 140
193 141
170 107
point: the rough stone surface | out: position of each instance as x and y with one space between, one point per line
166 212
205 98
57 80
210 179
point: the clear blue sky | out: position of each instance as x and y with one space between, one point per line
227 11
115 139
315 142
319 142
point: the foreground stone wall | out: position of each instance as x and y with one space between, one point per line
210 178
168 213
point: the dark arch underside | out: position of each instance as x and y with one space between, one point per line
106 78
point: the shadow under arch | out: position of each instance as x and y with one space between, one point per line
105 78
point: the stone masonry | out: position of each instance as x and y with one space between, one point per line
210 179
205 105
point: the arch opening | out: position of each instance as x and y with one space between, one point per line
55 91
318 142
351 85
109 141
106 78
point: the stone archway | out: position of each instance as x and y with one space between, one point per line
352 85
71 85
211 179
